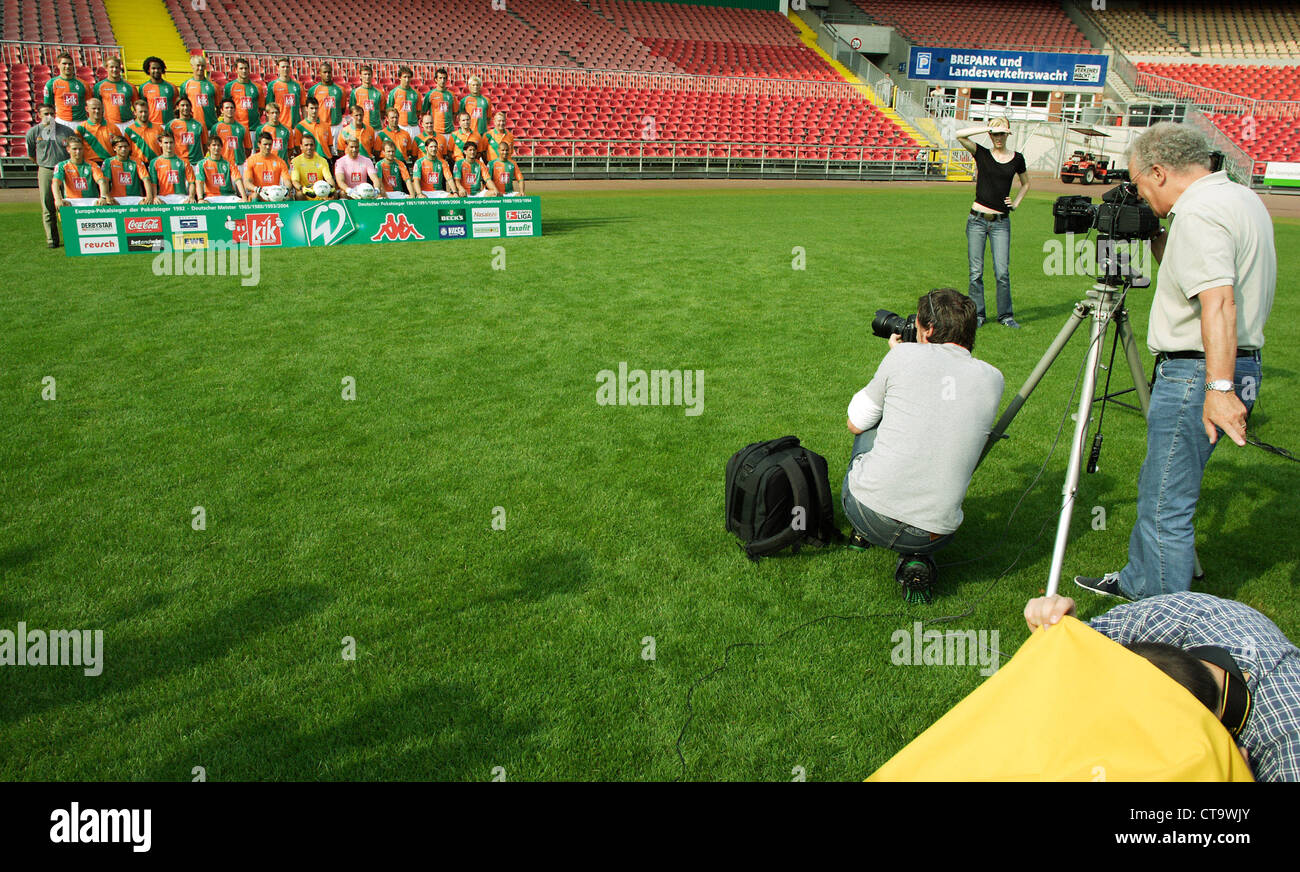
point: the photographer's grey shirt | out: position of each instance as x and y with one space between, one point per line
1219 234
935 405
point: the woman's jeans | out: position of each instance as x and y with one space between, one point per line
999 237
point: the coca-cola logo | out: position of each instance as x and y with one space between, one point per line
147 224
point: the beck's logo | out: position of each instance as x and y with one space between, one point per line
396 228
148 224
262 228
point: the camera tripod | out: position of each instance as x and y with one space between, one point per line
1101 306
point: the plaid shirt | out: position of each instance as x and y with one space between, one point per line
1187 620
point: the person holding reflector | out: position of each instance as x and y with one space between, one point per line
1231 658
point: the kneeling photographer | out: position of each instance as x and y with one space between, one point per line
920 425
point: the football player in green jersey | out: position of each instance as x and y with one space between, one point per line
202 91
478 106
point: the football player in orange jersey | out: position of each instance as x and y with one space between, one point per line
403 145
96 133
432 176
172 175
247 94
76 177
116 93
143 133
128 181
393 174
408 102
160 95
265 168
67 94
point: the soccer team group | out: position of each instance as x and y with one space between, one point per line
157 143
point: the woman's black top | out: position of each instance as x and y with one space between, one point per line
993 178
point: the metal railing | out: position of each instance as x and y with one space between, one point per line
1236 161
17 51
305 67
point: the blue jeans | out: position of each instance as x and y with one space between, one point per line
999 237
1162 549
875 527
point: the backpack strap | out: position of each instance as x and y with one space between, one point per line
827 532
788 534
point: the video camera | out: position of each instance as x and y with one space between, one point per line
1122 215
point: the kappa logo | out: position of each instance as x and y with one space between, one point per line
96 226
258 229
519 214
146 224
327 223
396 228
189 223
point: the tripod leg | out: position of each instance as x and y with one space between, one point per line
1100 323
1134 360
1077 317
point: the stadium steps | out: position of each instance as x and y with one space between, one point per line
952 171
144 28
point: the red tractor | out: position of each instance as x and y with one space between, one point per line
1089 167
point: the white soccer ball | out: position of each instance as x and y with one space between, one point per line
322 189
364 191
274 193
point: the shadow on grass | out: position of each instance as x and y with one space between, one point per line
433 731
532 579
560 226
136 656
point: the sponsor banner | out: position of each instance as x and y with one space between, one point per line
189 223
143 224
150 242
1285 174
294 224
97 245
96 226
1024 68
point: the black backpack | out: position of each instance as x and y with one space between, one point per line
765 481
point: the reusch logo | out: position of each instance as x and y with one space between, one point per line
100 245
147 224
396 228
455 231
451 216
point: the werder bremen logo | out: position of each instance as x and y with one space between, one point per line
327 223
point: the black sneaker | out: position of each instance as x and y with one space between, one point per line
916 574
858 542
1009 322
1107 585
979 321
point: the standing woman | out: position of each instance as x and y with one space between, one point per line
990 214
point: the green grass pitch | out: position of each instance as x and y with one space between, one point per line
525 648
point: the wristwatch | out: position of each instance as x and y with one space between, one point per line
1223 385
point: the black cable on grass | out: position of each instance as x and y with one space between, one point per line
970 605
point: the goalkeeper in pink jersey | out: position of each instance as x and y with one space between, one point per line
354 168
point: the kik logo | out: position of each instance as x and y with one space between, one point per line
396 228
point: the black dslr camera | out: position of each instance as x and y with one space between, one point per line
887 323
1122 215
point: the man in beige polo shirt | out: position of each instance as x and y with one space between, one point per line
1214 290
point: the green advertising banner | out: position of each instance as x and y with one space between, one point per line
91 230
1284 174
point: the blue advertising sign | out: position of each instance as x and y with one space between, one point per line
988 67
